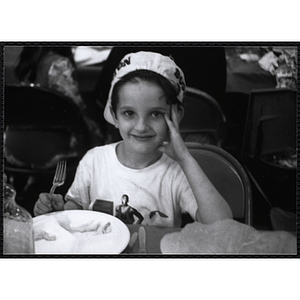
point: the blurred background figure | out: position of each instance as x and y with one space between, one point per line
43 69
54 68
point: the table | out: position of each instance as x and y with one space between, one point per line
222 238
154 235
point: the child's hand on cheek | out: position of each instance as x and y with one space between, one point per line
175 147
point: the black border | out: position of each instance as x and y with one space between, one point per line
141 43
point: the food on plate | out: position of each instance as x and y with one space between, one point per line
84 232
40 234
90 226
65 222
81 231
65 242
106 228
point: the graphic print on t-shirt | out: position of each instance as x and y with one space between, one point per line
127 213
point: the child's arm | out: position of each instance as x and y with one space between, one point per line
53 202
211 205
70 204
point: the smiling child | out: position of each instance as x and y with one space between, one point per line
151 164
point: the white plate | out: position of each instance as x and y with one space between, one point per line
66 242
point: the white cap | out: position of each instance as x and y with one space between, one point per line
151 61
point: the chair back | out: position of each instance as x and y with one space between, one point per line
202 115
41 127
228 176
271 123
269 153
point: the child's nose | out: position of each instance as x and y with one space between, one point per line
141 124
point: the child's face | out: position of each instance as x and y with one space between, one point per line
140 116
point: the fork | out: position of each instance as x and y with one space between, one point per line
60 175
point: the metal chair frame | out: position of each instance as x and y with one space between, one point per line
203 115
228 176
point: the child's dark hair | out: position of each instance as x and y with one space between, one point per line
149 76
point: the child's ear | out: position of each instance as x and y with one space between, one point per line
114 117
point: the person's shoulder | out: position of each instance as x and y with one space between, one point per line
101 149
106 152
97 155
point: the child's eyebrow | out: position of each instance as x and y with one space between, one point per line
126 107
160 108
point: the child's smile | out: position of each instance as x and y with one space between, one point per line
140 118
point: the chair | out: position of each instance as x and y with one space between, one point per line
41 128
204 120
271 123
228 176
269 145
40 125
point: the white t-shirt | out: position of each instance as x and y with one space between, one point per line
161 188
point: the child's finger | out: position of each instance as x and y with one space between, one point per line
57 202
40 208
175 116
170 124
168 121
43 199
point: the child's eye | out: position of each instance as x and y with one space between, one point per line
156 114
128 113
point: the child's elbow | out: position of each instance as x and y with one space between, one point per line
227 213
217 216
